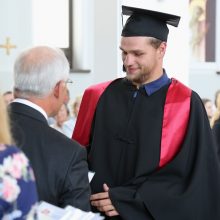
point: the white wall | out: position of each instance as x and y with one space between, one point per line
97 42
101 28
205 82
15 23
176 60
101 50
105 40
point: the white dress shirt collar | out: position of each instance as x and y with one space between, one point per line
32 105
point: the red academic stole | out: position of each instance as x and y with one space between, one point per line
87 109
175 119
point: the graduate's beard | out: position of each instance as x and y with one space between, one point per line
138 79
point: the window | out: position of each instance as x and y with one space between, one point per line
52 24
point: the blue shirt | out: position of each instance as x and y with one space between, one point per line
154 86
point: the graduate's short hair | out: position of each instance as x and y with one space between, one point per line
217 93
38 70
155 42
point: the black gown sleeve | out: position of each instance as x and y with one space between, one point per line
216 134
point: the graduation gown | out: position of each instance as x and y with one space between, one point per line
127 145
216 133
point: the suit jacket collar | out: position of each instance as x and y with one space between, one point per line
28 111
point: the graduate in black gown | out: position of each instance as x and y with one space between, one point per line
148 136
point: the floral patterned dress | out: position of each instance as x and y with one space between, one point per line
18 195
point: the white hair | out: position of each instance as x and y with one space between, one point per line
38 70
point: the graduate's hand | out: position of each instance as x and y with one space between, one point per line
103 203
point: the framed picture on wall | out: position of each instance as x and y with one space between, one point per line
202 25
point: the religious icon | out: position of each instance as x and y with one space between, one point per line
7 46
202 27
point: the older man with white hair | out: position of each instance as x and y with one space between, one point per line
60 166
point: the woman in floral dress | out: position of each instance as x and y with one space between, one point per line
18 195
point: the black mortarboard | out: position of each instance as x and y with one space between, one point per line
143 22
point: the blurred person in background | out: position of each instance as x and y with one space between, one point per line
76 106
216 114
68 126
60 118
209 108
52 120
8 97
215 121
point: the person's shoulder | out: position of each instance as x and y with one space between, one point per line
194 95
102 86
63 148
13 153
197 108
9 149
62 141
196 98
98 86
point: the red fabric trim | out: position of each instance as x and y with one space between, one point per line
83 125
175 120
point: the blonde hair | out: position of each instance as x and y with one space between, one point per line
5 135
154 42
76 104
216 115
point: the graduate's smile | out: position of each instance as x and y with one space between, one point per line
131 71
